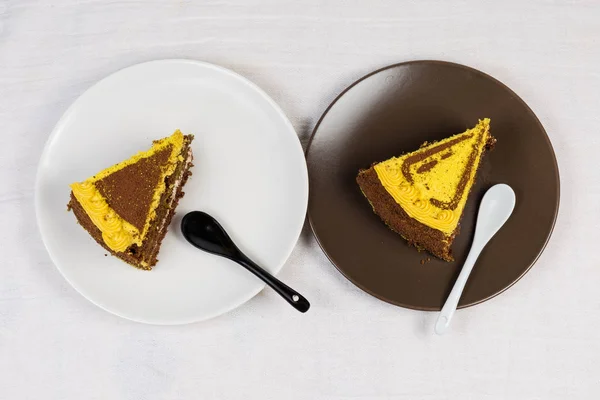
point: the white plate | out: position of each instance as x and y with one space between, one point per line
250 174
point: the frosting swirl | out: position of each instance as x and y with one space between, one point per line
117 233
439 182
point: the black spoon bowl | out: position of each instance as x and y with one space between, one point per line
205 233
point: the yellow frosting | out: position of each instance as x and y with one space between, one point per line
435 177
117 233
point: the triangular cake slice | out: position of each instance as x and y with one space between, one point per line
127 208
422 195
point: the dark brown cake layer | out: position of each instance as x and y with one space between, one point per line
416 233
129 191
166 209
145 256
394 216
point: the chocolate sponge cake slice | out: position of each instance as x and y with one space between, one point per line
127 208
422 195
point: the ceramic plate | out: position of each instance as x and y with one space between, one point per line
250 173
393 111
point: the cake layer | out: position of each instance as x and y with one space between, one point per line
130 190
164 213
394 216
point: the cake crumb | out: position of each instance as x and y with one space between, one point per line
105 255
425 261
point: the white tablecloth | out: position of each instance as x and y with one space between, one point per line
538 340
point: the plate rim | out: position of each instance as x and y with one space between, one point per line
447 64
69 111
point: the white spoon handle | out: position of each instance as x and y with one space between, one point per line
496 206
443 321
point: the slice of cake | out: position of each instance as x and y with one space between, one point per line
422 195
127 208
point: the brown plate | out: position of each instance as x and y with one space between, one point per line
394 110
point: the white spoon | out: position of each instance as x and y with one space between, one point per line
497 205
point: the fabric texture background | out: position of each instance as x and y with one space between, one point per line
538 340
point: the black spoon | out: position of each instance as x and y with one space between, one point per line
205 233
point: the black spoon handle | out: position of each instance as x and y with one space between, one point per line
297 301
